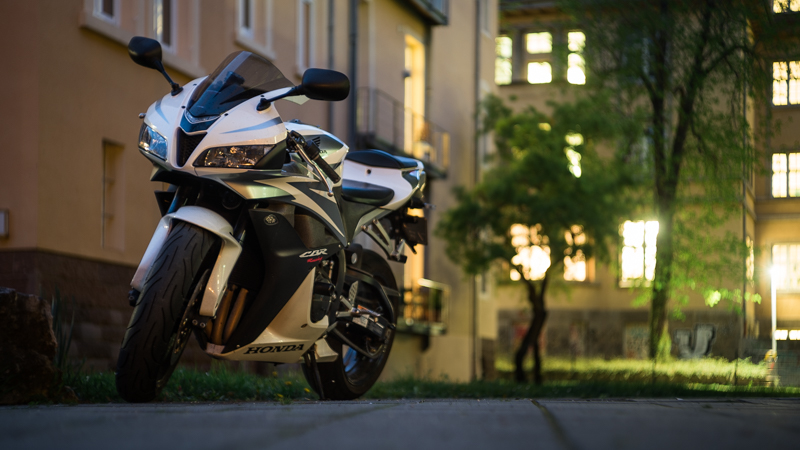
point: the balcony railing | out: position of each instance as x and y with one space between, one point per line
386 124
426 307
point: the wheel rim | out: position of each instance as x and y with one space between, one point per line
357 367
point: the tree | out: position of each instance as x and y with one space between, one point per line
548 182
685 68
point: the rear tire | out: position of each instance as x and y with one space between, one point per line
353 374
158 330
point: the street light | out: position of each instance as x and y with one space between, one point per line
776 273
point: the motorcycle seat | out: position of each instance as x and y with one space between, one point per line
368 194
379 158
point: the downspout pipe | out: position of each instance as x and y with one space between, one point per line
330 58
476 179
351 131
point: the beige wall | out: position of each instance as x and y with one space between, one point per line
19 181
76 88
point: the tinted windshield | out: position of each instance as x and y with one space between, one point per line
241 76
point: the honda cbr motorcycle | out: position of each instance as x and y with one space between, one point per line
254 253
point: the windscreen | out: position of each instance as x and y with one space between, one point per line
240 77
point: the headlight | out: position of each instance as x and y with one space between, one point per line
152 142
235 157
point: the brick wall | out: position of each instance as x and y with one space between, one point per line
100 293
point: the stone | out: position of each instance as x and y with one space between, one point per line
27 348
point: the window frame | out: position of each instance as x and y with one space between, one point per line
788 6
580 53
97 11
641 281
306 39
788 173
772 263
173 25
251 40
529 58
241 30
786 82
498 58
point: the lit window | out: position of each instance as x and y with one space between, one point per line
539 72
784 6
785 175
573 157
576 67
750 262
786 265
638 256
575 265
533 253
786 83
502 64
539 43
164 15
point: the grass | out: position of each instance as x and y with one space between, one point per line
703 371
224 384
189 385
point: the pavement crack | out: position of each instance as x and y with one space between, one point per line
561 435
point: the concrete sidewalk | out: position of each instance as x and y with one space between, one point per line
410 425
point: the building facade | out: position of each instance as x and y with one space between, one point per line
76 203
597 318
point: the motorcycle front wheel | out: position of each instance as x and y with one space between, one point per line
159 327
352 374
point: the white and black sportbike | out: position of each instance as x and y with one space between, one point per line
254 254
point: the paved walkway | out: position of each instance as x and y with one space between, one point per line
410 425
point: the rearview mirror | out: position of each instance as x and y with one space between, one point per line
146 52
323 84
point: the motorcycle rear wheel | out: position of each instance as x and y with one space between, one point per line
159 330
351 375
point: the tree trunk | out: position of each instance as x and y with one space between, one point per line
659 335
532 335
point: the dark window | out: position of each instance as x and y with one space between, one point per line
166 36
246 19
108 8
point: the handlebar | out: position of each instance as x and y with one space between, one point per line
312 152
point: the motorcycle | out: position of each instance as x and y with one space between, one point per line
254 253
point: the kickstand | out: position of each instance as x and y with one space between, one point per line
312 355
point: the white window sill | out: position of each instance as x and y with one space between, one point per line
113 32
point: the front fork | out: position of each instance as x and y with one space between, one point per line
228 255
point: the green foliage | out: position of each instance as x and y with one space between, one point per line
531 184
680 71
63 334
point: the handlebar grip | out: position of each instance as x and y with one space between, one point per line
313 153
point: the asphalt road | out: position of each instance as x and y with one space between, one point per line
410 425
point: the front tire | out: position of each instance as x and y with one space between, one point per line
351 375
158 330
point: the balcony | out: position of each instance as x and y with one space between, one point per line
384 123
433 11
425 308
